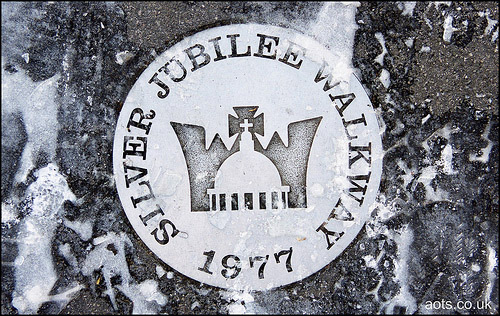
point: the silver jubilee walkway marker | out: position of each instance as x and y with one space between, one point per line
243 161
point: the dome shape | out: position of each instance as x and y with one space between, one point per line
247 171
248 180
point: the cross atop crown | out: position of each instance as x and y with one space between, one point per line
246 125
246 119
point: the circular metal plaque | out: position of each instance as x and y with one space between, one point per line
247 156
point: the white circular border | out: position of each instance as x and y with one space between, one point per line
185 251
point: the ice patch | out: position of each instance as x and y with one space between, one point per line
445 132
446 160
36 102
160 271
241 302
335 28
385 78
370 261
404 297
438 3
84 229
45 198
108 256
380 58
408 174
448 28
317 190
409 6
9 214
236 308
65 250
167 183
425 49
494 36
26 57
409 42
491 24
403 238
219 219
428 22
475 267
426 118
428 174
146 297
196 304
492 275
122 57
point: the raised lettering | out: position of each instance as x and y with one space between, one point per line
328 83
152 214
294 54
268 46
357 188
340 213
210 257
134 151
142 173
358 150
148 196
193 57
328 233
218 53
164 232
139 124
234 47
353 122
345 104
168 71
166 90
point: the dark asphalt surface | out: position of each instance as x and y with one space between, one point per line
435 85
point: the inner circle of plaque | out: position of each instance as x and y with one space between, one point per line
240 164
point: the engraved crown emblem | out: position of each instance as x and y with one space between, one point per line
247 176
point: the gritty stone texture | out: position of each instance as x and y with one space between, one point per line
465 69
468 61
154 25
452 87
